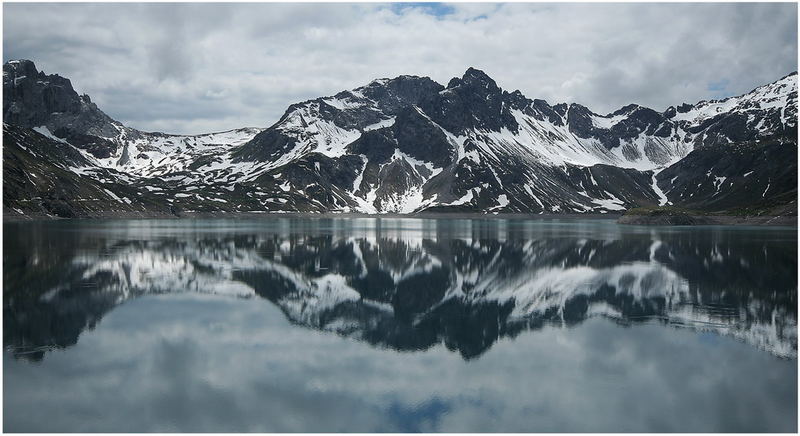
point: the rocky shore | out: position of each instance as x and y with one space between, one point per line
677 217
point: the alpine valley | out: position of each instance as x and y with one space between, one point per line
403 145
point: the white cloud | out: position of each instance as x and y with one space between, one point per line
189 68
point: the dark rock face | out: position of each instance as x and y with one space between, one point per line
29 97
420 139
396 94
636 121
732 176
543 111
97 146
32 98
641 120
266 146
472 102
580 123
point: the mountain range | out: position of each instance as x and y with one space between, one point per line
402 145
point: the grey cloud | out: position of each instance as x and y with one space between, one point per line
247 62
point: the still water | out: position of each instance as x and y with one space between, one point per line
304 324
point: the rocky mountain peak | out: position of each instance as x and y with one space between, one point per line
20 67
34 99
476 80
23 73
402 91
624 110
473 101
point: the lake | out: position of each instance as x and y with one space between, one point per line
398 325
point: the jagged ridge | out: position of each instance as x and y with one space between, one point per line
409 144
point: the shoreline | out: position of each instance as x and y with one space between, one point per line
714 220
267 214
710 220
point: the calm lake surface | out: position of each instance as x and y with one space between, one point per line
362 324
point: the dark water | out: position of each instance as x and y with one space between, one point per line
398 325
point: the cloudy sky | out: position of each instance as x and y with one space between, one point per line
193 68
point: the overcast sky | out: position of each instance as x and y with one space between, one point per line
193 68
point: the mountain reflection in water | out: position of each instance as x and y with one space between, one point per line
408 284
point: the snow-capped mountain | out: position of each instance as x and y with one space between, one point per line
409 293
409 144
